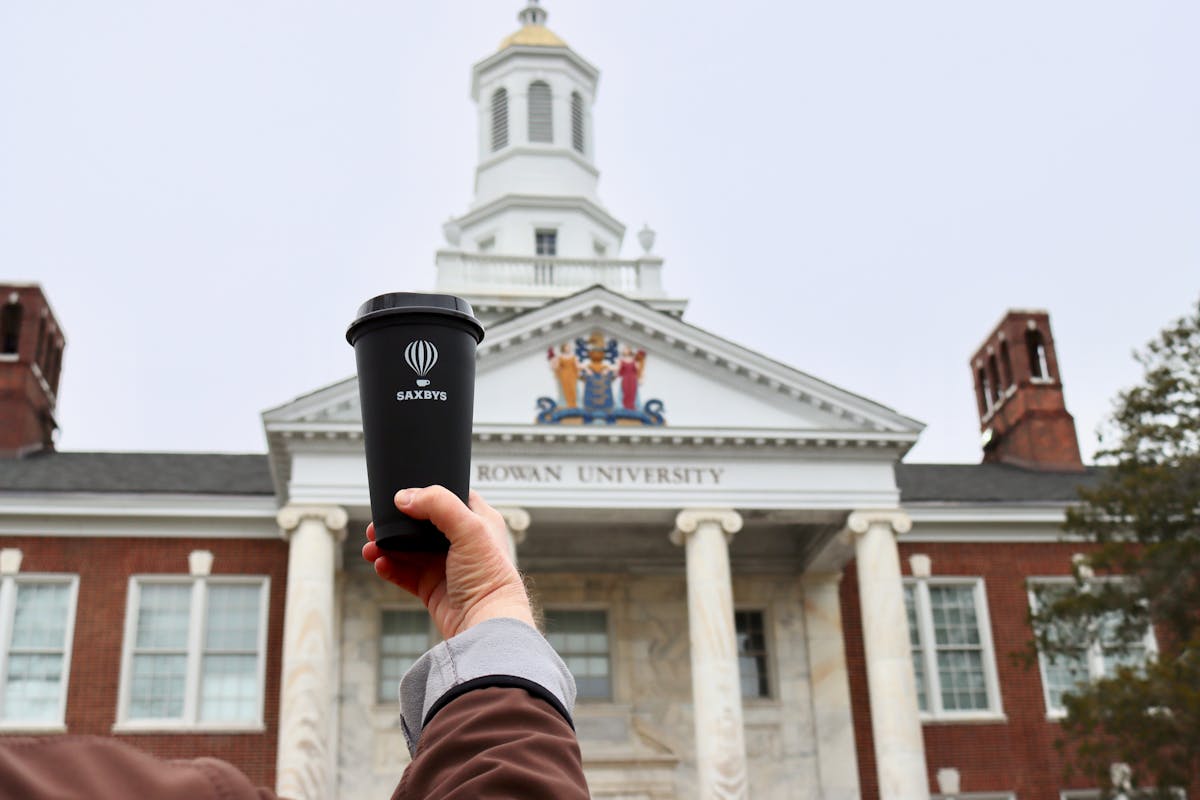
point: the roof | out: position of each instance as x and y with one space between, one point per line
533 36
989 483
138 473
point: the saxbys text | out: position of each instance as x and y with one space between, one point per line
419 394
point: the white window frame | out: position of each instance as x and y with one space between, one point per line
8 609
935 713
1095 653
198 615
768 654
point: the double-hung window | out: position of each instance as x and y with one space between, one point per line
952 648
581 638
195 653
1066 671
750 633
37 622
405 634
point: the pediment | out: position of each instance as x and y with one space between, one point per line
652 369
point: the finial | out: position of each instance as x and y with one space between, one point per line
646 237
532 14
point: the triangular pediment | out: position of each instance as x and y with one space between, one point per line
701 380
678 374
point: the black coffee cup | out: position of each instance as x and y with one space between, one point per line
416 386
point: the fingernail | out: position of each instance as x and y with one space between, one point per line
404 497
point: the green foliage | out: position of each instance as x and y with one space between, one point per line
1144 520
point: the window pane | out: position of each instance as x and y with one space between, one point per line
752 653
581 638
229 688
1062 675
953 609
914 640
156 691
404 637
40 621
33 689
163 616
233 616
962 680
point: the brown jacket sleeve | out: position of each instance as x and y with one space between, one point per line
96 768
496 744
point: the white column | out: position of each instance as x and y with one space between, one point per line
305 758
716 690
833 722
891 682
516 521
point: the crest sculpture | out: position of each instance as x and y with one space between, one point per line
610 377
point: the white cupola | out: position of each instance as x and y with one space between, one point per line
536 228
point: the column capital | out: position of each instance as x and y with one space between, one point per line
517 520
688 520
859 522
334 518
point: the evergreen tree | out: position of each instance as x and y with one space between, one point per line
1141 572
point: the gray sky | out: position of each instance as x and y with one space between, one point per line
207 190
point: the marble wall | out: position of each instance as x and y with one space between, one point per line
640 745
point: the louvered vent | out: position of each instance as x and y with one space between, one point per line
577 121
541 127
499 119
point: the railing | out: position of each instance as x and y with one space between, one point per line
483 271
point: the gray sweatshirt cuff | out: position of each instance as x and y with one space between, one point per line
498 652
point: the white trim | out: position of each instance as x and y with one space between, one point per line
8 601
924 613
129 514
937 514
189 722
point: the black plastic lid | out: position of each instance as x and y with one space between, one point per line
392 303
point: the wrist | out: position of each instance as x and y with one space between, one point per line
507 603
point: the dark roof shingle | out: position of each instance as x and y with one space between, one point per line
151 473
989 483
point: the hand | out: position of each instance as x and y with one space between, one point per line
475 581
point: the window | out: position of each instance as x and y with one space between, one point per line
1036 350
194 652
499 119
404 636
994 380
752 653
1006 365
577 121
581 638
546 242
951 647
37 622
10 327
600 249
1064 672
541 123
981 392
41 343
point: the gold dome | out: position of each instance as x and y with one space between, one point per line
533 36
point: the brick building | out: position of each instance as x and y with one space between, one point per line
757 596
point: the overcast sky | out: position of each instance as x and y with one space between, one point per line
206 190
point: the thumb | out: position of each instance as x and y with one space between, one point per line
443 508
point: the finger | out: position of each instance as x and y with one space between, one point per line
480 506
371 531
410 571
371 551
443 508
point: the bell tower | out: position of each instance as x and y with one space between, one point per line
1019 392
536 229
31 349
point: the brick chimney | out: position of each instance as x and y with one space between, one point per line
31 348
1019 391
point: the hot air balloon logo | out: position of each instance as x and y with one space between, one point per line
421 355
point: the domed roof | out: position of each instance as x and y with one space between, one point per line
533 36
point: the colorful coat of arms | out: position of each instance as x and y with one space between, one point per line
610 376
